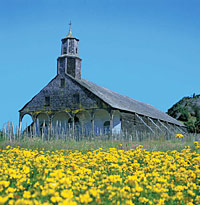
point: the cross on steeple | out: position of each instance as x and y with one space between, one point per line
70 24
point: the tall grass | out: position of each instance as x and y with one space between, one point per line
85 145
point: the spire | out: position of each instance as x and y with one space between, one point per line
69 35
70 24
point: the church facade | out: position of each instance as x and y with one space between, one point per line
72 103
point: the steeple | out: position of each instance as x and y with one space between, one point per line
69 35
69 62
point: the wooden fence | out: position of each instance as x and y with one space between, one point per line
11 133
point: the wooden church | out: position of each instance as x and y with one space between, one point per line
72 103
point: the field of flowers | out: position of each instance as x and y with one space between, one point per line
113 176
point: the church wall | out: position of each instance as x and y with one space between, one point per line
130 123
78 68
62 98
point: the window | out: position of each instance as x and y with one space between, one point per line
106 127
76 50
64 50
62 82
71 46
76 98
47 101
71 66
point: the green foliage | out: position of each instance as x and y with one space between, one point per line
197 113
1 134
197 125
187 110
184 114
190 126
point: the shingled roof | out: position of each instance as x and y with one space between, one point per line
122 102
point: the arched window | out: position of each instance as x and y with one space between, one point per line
106 127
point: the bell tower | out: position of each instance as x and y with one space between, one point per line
69 62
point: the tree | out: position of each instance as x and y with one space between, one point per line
184 114
197 125
190 125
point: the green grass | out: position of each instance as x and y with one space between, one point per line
151 145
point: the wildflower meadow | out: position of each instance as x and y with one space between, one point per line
99 176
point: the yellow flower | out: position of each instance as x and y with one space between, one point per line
190 192
4 183
3 199
179 135
85 198
67 194
94 192
55 199
98 176
27 194
67 202
196 143
11 202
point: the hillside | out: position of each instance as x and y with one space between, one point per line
187 110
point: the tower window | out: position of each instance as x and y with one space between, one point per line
76 98
62 82
76 50
71 46
64 50
71 66
47 101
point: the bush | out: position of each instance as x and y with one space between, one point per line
1 134
190 126
184 115
197 125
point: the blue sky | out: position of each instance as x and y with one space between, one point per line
145 49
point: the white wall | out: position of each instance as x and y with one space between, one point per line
85 125
85 122
61 118
116 123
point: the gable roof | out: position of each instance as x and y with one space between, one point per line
125 103
118 101
37 94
